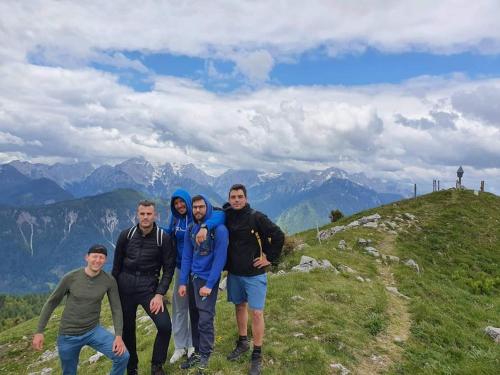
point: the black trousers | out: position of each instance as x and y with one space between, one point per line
130 302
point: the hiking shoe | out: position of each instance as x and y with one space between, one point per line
157 369
241 347
191 361
178 354
132 372
255 365
203 364
190 351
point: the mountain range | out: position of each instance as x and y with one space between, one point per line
50 214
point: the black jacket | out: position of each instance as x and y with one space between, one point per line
138 262
243 244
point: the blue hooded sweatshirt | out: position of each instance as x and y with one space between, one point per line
207 259
178 223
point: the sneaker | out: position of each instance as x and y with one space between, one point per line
191 361
255 364
241 347
132 372
157 369
190 351
178 353
203 364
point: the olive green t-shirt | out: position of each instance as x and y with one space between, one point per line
83 303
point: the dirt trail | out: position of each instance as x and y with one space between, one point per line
387 350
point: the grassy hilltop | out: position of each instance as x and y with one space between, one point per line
321 318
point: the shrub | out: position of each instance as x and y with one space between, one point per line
335 215
290 244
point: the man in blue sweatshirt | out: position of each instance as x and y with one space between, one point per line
180 219
201 267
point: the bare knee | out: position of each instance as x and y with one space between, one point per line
258 315
241 307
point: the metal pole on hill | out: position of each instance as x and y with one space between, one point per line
414 190
482 186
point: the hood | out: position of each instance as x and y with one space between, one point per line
184 195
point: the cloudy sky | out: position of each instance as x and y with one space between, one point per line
395 89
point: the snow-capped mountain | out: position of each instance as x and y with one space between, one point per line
273 193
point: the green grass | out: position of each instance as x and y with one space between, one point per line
456 242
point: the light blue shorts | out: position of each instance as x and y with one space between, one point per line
251 289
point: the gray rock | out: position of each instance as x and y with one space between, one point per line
494 333
353 224
359 278
371 218
341 368
298 298
44 371
409 216
325 263
411 263
94 358
371 224
391 225
392 232
362 242
342 245
372 251
48 355
344 268
223 284
394 258
307 264
396 292
325 234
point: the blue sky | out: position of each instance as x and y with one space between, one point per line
397 90
313 67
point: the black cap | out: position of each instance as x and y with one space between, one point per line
100 249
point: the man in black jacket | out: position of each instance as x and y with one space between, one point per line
141 253
254 243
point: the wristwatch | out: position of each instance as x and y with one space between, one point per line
203 226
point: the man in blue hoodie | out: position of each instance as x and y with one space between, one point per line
201 267
181 218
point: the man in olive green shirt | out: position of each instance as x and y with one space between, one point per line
85 289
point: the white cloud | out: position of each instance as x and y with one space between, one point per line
255 65
418 129
62 114
74 33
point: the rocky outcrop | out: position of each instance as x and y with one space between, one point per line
370 221
307 264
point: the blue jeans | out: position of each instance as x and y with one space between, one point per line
97 338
